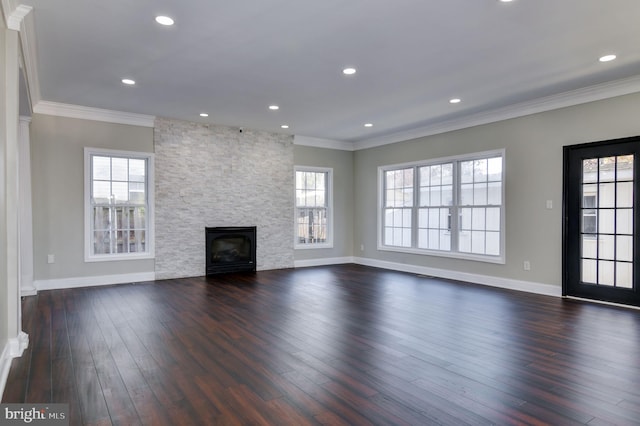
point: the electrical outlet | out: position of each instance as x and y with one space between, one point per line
361 247
51 258
549 204
526 265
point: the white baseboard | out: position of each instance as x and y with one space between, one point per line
322 262
506 283
12 349
94 281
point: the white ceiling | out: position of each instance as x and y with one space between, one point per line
232 59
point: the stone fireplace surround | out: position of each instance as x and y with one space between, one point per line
207 176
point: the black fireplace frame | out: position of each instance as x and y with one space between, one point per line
224 267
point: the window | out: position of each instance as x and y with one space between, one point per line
450 207
118 205
314 215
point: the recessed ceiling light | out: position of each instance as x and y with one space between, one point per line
128 81
274 107
164 20
204 114
455 101
505 1
607 58
368 125
285 126
349 71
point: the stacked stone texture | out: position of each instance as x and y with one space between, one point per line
208 176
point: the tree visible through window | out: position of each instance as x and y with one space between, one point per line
313 207
118 208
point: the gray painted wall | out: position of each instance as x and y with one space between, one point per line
57 169
342 164
533 175
216 176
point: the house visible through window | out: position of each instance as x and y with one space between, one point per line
313 216
448 207
118 203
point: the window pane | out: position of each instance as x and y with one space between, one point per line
137 193
101 168
423 218
589 271
495 169
434 218
466 195
493 219
423 240
120 191
101 218
447 195
480 170
477 242
137 170
388 236
607 195
445 240
606 221
624 275
590 170
480 194
434 239
606 248
320 181
478 219
464 242
625 167
624 221
120 169
624 248
605 272
435 196
406 218
424 197
495 193
101 192
425 172
466 218
624 195
447 174
589 246
466 171
493 243
436 175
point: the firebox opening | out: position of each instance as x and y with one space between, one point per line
230 249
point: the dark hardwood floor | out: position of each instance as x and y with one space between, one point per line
335 345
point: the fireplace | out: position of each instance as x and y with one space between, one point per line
230 249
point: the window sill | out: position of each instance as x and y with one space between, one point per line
118 257
452 255
313 246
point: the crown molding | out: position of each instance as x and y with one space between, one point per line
323 143
96 114
548 103
30 58
16 15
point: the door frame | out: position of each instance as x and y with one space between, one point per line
596 293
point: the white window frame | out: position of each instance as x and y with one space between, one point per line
89 256
329 206
500 259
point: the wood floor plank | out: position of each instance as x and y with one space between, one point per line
335 345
